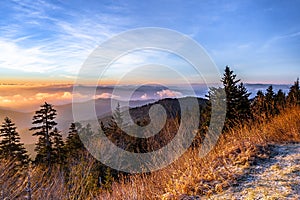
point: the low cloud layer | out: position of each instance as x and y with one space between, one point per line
30 97
168 93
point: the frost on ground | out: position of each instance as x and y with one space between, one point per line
277 177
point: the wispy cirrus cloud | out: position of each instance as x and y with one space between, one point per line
61 34
50 39
275 39
16 57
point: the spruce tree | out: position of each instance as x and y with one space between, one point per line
10 145
86 134
280 101
243 103
258 106
237 98
270 102
73 142
116 123
58 147
44 127
114 129
117 116
293 97
270 94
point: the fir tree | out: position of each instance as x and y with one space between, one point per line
86 134
243 103
270 102
258 106
44 121
238 104
280 101
117 116
270 94
217 99
58 147
293 97
114 129
73 142
10 145
116 122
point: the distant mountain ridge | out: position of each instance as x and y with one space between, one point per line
103 107
172 107
64 118
254 87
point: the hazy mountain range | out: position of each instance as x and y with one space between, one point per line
103 106
64 115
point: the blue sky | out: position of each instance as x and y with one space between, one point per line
49 40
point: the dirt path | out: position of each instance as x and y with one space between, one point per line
275 178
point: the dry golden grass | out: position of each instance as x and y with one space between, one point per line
189 175
232 156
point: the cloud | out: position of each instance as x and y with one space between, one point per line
25 59
273 40
14 99
135 58
59 96
30 99
105 96
52 38
45 96
144 96
168 93
67 95
62 97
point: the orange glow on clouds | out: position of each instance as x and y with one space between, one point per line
28 97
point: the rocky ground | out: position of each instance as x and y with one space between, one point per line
277 177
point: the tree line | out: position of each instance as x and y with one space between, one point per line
51 150
240 108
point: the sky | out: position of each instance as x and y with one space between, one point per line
47 42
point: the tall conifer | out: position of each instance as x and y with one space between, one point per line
44 127
10 145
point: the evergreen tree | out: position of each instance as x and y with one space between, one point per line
86 134
44 121
113 126
58 147
113 130
293 97
10 145
243 103
116 123
280 101
258 106
237 98
270 94
73 142
117 116
217 99
270 102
